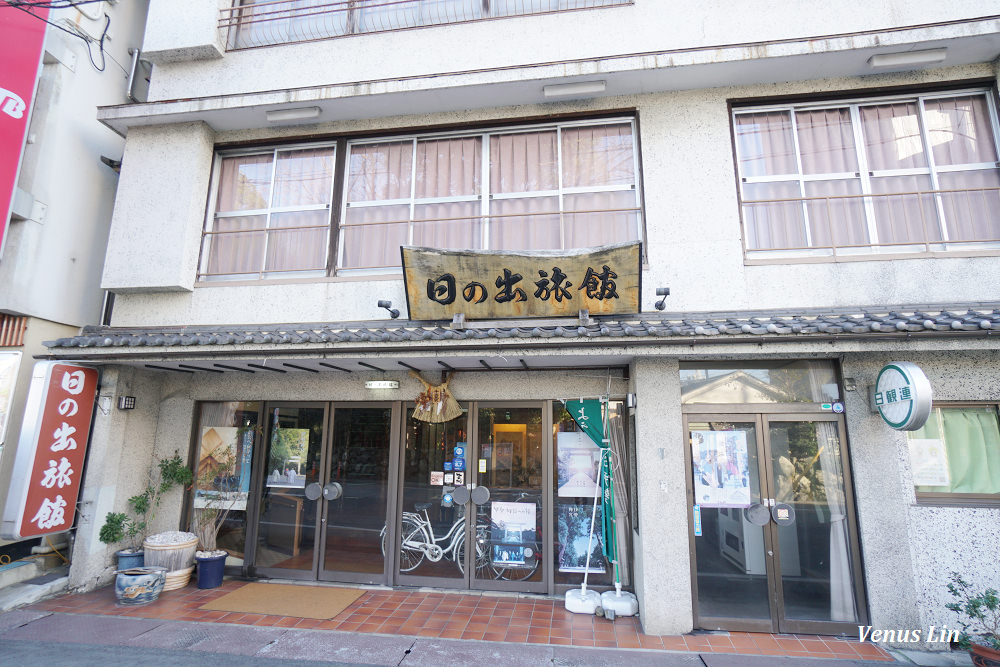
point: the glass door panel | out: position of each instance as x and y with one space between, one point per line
811 523
509 464
286 535
356 494
731 551
430 533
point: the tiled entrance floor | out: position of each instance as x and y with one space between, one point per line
532 620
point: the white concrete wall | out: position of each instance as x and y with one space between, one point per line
909 547
179 30
156 229
51 266
691 214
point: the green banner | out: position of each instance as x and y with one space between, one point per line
588 415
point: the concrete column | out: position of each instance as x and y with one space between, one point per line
662 554
160 209
118 465
880 490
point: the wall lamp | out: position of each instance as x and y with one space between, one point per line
662 303
393 313
904 58
574 89
300 113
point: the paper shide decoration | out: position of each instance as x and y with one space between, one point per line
435 403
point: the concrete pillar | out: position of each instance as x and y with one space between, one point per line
880 490
662 554
118 464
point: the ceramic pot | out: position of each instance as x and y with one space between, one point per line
984 656
210 570
130 559
139 585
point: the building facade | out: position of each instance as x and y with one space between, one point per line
812 205
60 213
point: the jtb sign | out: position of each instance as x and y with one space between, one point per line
485 284
51 451
22 35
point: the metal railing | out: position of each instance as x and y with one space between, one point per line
249 25
921 221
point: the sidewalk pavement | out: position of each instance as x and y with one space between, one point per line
37 637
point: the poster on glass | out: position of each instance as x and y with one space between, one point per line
721 468
220 479
288 452
512 530
574 538
577 467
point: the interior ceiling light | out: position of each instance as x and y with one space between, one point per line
904 58
575 89
300 113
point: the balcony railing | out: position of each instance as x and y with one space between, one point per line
853 226
254 23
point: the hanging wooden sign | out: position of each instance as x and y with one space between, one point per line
486 284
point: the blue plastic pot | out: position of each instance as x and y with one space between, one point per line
210 571
130 559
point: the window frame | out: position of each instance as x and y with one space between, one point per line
873 250
211 215
931 498
339 203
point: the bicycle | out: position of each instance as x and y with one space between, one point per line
419 541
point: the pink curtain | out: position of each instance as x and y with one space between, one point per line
773 224
524 162
959 130
767 147
301 178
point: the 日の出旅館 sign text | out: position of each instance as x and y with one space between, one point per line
51 451
483 284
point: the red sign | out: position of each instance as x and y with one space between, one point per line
48 467
22 35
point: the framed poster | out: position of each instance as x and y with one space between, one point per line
721 468
579 459
512 530
288 454
219 479
574 536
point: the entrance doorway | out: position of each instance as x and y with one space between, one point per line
326 490
773 533
472 512
365 493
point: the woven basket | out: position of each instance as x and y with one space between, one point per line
178 579
177 556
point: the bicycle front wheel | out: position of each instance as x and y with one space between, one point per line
413 537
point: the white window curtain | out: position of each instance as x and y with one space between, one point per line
553 188
842 605
806 182
271 214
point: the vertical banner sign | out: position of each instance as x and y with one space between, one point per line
22 35
51 451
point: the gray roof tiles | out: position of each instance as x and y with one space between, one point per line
854 321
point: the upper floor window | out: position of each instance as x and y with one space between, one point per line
253 23
545 187
906 174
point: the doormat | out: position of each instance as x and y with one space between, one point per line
321 602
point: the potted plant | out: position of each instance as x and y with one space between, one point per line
979 616
131 527
216 493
